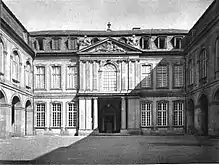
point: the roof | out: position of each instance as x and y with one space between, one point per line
109 33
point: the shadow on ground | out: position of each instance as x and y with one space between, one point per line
132 150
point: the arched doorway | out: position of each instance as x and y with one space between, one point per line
14 120
109 120
190 117
27 108
3 115
203 102
2 98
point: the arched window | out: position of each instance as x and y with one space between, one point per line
15 63
109 78
217 54
28 75
2 58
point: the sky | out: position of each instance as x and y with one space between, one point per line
95 14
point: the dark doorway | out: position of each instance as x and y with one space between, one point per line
109 120
203 101
190 117
27 107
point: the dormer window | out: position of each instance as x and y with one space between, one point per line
144 42
71 43
55 44
40 43
94 40
177 42
160 42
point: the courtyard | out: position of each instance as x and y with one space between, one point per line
109 150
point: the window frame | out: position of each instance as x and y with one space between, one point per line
162 113
167 75
44 75
174 42
158 40
52 86
28 75
151 75
15 66
56 43
115 76
57 117
178 114
75 75
74 114
142 42
203 63
217 54
41 126
3 54
178 76
150 103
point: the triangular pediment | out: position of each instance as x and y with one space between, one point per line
109 45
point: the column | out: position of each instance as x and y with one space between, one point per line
123 124
91 74
29 121
119 76
88 114
82 116
95 113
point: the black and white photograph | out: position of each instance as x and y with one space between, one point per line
109 81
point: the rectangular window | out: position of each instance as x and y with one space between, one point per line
56 77
40 120
72 114
146 117
56 115
72 77
178 75
146 76
203 64
162 76
178 113
162 108
40 77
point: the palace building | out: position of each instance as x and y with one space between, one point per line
138 81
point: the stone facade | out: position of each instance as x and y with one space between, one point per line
201 52
93 82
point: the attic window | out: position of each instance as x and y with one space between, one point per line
71 43
177 42
55 44
41 43
144 42
161 42
94 40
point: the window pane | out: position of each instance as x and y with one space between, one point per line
146 76
178 113
40 77
56 77
40 115
56 114
72 77
145 114
178 76
109 78
162 76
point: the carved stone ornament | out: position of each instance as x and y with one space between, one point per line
108 46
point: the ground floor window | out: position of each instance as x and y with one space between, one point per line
178 113
162 108
56 115
40 115
72 114
145 114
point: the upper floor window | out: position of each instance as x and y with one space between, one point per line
72 43
28 75
2 57
56 44
146 76
177 42
162 108
217 54
190 72
161 42
145 43
72 77
94 40
203 64
40 77
146 114
56 77
178 113
15 61
72 114
109 78
40 112
162 76
178 75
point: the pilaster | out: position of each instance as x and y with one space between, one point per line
123 110
82 113
95 113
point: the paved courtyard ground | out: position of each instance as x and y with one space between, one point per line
110 150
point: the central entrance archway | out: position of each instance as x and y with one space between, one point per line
109 115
